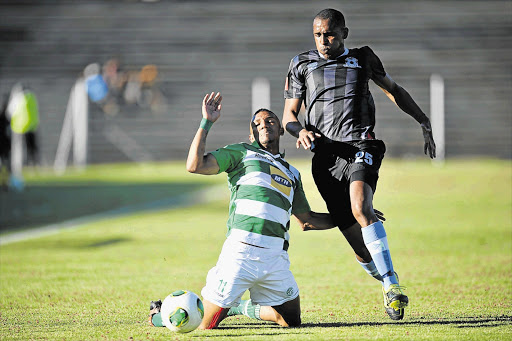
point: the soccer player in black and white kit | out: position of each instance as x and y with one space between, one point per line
332 82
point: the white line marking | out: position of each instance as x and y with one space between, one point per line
184 200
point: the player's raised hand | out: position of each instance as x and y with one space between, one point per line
211 106
306 138
429 147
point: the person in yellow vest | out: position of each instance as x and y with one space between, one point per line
5 144
24 116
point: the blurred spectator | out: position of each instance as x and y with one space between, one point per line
23 112
150 95
5 144
132 89
116 80
114 87
97 88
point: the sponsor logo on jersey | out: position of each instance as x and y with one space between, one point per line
265 157
351 62
280 181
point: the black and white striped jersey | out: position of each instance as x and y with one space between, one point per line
336 94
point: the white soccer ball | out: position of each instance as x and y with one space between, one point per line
182 311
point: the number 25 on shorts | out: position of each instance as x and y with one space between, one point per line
364 157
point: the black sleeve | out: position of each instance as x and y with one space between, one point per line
374 63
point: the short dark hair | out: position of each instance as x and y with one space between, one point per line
260 110
267 110
334 16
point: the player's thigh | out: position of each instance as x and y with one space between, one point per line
276 284
365 163
227 281
329 173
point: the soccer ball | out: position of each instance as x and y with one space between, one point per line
182 311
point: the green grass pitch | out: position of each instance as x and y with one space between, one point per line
449 230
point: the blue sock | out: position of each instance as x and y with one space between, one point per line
371 269
375 239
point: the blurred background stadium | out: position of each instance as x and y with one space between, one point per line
200 46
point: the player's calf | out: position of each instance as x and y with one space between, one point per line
213 315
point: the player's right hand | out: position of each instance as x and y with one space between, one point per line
211 106
379 214
305 138
429 147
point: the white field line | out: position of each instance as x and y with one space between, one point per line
180 201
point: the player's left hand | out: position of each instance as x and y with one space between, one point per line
429 147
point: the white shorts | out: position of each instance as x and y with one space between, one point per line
264 272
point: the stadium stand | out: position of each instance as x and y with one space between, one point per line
222 45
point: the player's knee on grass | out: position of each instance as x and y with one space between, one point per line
290 312
293 320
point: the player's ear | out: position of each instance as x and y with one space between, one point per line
281 131
345 33
252 131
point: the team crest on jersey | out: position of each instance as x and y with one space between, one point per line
280 181
351 62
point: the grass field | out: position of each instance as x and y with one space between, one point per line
449 230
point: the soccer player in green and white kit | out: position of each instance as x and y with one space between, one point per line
265 191
332 82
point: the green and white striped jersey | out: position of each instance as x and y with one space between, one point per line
265 191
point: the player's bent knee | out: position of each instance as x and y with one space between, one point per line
363 214
291 319
294 321
288 314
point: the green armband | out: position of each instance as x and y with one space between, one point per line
205 124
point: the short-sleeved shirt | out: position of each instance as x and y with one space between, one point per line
336 94
265 191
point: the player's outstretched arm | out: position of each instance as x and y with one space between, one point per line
322 221
405 102
293 126
314 221
197 161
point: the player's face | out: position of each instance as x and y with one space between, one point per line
267 126
329 40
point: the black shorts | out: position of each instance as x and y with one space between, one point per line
336 165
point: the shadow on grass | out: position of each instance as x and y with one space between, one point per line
107 242
285 331
40 205
465 322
